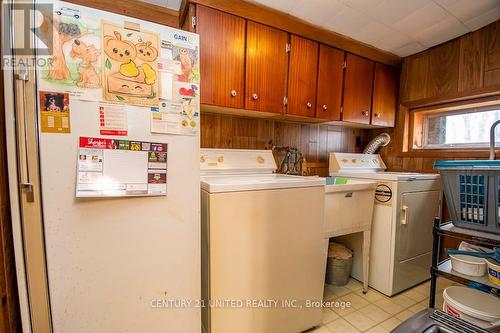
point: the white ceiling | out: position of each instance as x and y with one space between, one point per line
402 27
172 4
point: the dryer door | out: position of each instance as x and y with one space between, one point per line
413 248
414 221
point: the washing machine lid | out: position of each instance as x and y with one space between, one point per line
236 161
369 166
251 182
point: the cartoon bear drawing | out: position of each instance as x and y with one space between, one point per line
122 51
147 53
88 54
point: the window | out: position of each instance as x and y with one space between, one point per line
448 128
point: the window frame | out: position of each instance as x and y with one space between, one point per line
478 145
416 130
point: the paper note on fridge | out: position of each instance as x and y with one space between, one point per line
169 66
113 119
113 167
175 118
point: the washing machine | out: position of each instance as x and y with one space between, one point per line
263 246
405 207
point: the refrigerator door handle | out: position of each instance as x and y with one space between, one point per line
28 189
22 77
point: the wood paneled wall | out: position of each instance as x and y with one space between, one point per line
313 140
465 66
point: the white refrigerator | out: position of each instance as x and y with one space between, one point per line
126 259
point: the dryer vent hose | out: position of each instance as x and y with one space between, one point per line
380 140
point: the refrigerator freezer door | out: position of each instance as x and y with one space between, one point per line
112 263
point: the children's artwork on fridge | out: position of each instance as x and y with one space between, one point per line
177 63
75 65
188 58
130 65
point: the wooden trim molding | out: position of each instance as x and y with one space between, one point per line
136 9
286 22
215 109
447 153
411 120
455 97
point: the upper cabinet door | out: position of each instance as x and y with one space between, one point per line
358 89
330 79
222 57
266 68
385 90
302 76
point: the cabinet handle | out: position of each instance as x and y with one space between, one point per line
365 113
377 115
324 107
255 96
233 93
309 105
405 219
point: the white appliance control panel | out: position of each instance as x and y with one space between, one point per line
356 162
234 161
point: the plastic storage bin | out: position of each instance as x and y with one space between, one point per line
472 305
472 191
468 265
493 271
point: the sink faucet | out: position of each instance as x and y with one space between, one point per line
492 139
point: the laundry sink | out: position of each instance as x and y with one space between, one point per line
349 207
351 185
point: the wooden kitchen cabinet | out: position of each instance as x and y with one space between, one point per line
266 68
358 87
302 76
252 66
222 57
330 80
385 89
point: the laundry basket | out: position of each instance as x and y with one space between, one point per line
472 191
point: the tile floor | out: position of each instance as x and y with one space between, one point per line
374 312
